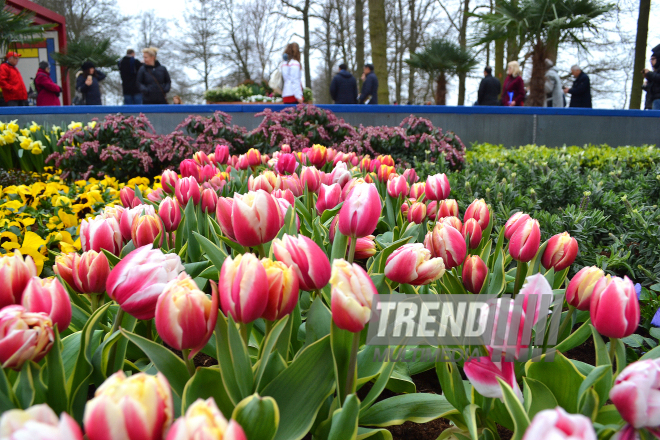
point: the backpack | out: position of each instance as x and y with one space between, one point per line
276 81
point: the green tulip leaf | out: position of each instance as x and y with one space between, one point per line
258 416
515 409
418 408
204 384
56 396
561 377
345 420
537 397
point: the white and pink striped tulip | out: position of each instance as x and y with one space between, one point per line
90 272
15 274
256 218
282 289
515 221
557 424
243 287
47 295
479 211
412 264
329 197
483 374
204 421
614 307
437 187
446 242
352 294
38 422
525 241
358 216
24 336
100 233
307 259
636 394
129 214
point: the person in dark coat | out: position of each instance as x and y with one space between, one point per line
343 87
128 69
369 93
514 86
581 90
153 79
48 93
653 80
87 82
489 89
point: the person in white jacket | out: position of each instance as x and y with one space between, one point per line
292 91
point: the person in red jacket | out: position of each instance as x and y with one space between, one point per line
513 86
11 81
48 93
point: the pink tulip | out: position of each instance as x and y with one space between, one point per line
242 162
525 241
63 267
284 206
282 289
352 294
386 160
515 221
447 208
15 274
256 218
417 213
156 195
310 178
204 421
129 215
38 422
253 157
384 172
447 243
201 159
614 307
560 252
557 424
346 190
411 175
209 200
452 221
417 190
286 195
168 180
146 229
636 394
432 210
474 274
340 174
137 407
286 164
358 216
216 183
48 296
483 374
115 212
365 247
223 211
479 211
292 184
188 189
412 264
221 154
243 288
169 212
101 233
185 316
578 293
535 285
318 155
24 336
139 278
329 197
267 181
190 168
437 187
307 259
207 172
365 163
472 228
494 342
128 198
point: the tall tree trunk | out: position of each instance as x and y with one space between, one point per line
640 53
378 37
462 41
359 39
512 48
499 60
553 46
306 50
537 83
412 47
441 89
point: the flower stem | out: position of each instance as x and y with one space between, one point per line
244 334
351 249
567 320
150 334
118 319
94 300
269 327
190 365
613 350
521 274
352 365
262 252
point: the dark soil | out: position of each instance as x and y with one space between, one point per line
584 353
200 360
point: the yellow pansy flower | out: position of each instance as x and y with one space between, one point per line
68 219
13 205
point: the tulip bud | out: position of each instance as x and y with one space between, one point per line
15 274
483 373
329 197
137 407
127 197
256 218
475 273
242 162
472 227
447 208
452 221
560 252
63 267
307 259
365 247
405 206
286 164
352 294
284 207
189 168
386 160
614 307
113 212
578 293
286 195
100 233
292 184
221 154
185 316
243 288
411 175
169 212
146 228
346 190
479 211
384 172
417 213
38 422
168 180
209 200
397 186
24 336
282 289
207 172
437 187
358 216
525 241
557 424
636 394
365 163
204 421
447 243
417 190
515 221
223 211
48 296
253 157
128 217
90 272
535 285
311 178
317 155
267 181
412 264
140 277
188 189
432 210
156 195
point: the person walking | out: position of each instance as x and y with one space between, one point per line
11 81
88 83
581 90
653 80
343 87
489 89
128 69
369 93
513 91
553 90
291 69
153 78
48 93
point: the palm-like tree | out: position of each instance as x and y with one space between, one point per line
87 49
442 58
542 24
18 28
